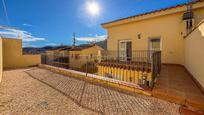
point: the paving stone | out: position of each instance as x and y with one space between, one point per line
104 100
21 95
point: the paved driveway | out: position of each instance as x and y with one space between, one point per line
46 92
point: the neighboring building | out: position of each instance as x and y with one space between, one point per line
61 50
157 30
75 57
80 55
58 56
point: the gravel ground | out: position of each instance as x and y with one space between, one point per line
39 91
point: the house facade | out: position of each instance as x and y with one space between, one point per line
58 56
61 50
158 30
80 55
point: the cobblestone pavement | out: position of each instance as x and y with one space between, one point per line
81 97
20 94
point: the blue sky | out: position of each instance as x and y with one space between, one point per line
52 22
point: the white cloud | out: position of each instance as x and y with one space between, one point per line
25 24
52 44
95 38
21 34
27 44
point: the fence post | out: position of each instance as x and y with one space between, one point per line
152 68
99 56
86 65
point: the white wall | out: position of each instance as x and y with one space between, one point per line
194 53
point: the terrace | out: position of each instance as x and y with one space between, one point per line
110 82
40 91
100 78
142 72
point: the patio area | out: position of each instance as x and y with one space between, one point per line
176 85
39 91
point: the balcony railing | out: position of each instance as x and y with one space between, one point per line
138 67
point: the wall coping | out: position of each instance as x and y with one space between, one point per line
96 77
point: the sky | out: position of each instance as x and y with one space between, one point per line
52 22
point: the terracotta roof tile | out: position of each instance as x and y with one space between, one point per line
81 47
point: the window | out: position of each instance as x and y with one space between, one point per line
77 56
91 56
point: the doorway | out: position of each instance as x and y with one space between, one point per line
125 50
154 44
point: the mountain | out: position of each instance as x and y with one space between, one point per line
34 50
102 44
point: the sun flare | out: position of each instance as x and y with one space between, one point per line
93 8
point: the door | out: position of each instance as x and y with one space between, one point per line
155 44
129 51
125 50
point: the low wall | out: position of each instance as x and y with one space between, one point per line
21 61
117 84
13 56
31 60
194 53
1 60
127 75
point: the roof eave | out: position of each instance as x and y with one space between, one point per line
152 14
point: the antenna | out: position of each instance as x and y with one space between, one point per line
74 39
189 5
188 14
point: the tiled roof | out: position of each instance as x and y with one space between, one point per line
81 47
60 48
180 5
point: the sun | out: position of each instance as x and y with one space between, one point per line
93 8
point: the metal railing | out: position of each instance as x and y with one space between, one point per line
55 60
112 64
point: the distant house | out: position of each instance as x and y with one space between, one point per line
60 50
58 56
80 55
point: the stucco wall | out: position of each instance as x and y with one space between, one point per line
78 63
13 56
194 54
168 27
1 58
